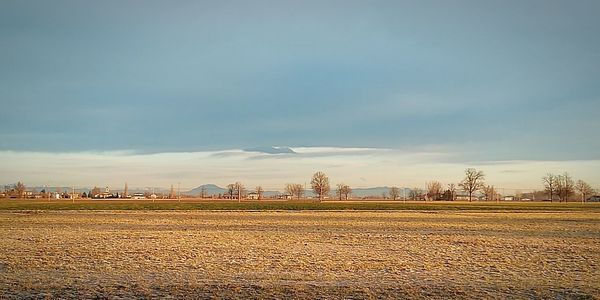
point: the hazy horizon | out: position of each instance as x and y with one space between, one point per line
378 93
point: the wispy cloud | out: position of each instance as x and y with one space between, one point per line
359 167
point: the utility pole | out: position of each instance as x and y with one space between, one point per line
73 194
178 192
496 196
305 191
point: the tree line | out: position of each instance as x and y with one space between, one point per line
560 187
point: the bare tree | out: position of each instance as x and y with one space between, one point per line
394 192
584 189
320 184
125 191
342 191
550 183
338 191
260 192
346 190
239 190
415 194
297 190
473 181
20 189
564 186
230 190
452 191
434 190
294 190
172 192
489 192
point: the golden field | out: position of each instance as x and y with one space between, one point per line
299 254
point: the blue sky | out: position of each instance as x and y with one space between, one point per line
482 80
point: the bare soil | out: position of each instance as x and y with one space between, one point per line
299 254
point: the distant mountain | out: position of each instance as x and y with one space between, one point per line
213 189
376 191
209 189
271 150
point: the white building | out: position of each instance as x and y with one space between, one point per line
253 196
138 196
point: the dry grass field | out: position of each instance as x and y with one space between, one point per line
299 254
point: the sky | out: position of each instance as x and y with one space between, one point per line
372 92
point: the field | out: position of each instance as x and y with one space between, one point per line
352 254
262 205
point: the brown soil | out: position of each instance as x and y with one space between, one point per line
351 255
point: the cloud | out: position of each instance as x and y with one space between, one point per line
383 75
358 167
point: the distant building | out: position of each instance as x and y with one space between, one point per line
463 197
509 198
138 196
253 196
231 197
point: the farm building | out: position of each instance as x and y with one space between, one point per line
253 196
138 196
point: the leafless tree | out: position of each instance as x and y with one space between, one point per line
342 191
346 190
20 189
125 191
298 190
293 189
260 192
434 190
489 192
416 194
550 183
452 191
564 187
338 191
172 193
394 192
473 181
239 190
320 184
584 189
230 190
289 189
